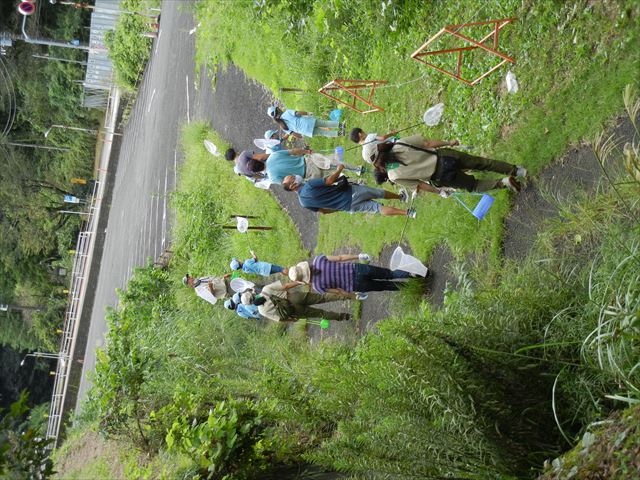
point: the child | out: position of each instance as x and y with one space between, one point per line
369 142
252 265
304 123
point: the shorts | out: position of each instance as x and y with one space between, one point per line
275 269
362 199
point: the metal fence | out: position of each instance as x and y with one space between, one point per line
79 277
98 78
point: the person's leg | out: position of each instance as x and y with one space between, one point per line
362 201
303 311
312 298
365 284
325 128
466 161
379 273
275 269
387 211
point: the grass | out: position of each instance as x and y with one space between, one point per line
304 44
208 194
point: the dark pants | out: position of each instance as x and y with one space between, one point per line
465 161
369 278
300 301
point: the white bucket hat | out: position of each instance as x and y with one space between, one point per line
300 272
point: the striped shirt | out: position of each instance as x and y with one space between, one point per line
327 274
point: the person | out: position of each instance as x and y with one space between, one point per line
244 311
341 274
369 141
275 135
324 196
210 289
304 123
253 265
247 162
291 162
278 302
429 166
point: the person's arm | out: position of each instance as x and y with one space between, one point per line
298 152
440 143
253 254
339 291
342 258
388 135
300 113
425 187
290 285
326 211
333 178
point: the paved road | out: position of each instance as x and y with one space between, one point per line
139 217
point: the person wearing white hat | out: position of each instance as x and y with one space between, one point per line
341 274
210 289
279 302
304 123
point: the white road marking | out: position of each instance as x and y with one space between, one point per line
158 41
188 116
164 208
153 94
155 243
175 169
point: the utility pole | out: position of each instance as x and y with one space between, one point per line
65 60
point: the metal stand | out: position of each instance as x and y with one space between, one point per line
353 88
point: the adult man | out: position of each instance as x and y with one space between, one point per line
278 302
210 289
291 162
322 195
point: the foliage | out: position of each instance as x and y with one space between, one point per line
605 451
23 450
304 44
128 48
225 442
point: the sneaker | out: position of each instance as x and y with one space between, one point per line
342 128
361 296
403 196
521 172
364 257
411 213
511 183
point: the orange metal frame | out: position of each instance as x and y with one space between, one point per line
353 88
455 31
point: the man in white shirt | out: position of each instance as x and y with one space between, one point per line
210 289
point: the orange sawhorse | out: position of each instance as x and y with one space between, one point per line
455 31
353 88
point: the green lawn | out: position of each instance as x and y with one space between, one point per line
573 60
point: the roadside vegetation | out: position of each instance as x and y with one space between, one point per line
129 48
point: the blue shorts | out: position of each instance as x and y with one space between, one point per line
362 199
275 269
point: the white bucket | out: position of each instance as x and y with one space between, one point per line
407 263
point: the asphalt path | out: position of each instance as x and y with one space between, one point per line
147 168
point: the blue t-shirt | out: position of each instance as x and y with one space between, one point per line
254 266
300 124
248 311
314 195
280 164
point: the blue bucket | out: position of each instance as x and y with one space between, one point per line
338 154
483 206
335 115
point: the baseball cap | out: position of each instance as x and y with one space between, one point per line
185 280
235 264
229 304
271 111
269 133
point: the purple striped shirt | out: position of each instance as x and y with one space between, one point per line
326 274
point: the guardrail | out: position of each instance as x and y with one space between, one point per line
79 275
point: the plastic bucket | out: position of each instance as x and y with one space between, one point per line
338 154
407 263
483 206
335 115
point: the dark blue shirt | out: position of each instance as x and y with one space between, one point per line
314 195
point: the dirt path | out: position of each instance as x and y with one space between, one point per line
240 116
